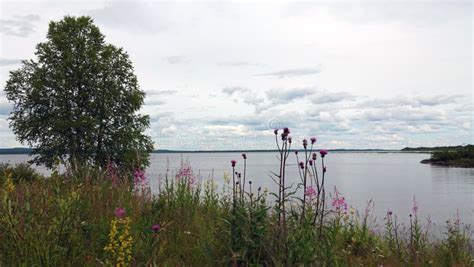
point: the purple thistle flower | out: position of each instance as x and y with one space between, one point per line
310 162
296 152
290 139
315 156
156 228
239 174
323 152
286 131
244 156
305 143
119 213
275 131
301 165
313 140
233 162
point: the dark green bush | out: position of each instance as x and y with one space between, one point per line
22 172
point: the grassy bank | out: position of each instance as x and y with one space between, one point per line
102 218
462 156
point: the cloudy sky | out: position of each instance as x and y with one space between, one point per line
221 75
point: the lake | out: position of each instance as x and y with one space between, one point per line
390 179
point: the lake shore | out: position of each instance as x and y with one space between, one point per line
458 163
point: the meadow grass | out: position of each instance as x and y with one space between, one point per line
98 218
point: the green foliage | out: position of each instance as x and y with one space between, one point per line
466 152
78 101
21 172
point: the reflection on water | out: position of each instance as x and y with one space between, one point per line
390 179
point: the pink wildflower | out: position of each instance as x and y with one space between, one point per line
310 191
233 162
156 228
119 212
313 140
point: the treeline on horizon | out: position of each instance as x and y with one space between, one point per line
438 148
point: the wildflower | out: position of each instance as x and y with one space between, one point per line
289 139
313 140
310 162
250 182
233 162
239 174
259 188
323 152
156 228
415 206
301 165
324 169
296 152
285 133
305 143
275 131
315 156
139 176
339 203
244 156
119 212
310 191
9 185
120 242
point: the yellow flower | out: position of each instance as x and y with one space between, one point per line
10 187
120 242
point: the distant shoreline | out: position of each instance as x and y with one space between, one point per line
26 151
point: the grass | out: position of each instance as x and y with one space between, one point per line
67 220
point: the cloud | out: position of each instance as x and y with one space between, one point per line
176 59
233 90
21 26
161 92
291 73
325 98
154 102
238 63
5 107
140 17
277 96
437 100
9 62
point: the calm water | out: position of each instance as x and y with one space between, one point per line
390 179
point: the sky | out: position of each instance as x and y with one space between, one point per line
221 75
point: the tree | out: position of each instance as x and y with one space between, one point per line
78 101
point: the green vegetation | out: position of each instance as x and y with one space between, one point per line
78 101
97 218
461 156
433 149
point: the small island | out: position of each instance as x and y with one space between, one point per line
453 156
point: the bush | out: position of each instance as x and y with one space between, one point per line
21 172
